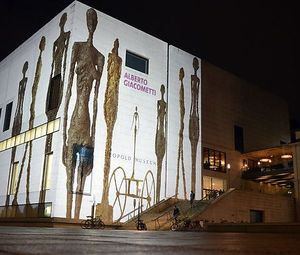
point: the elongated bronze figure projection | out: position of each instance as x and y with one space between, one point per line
111 100
34 89
55 91
17 125
87 62
160 138
180 142
194 120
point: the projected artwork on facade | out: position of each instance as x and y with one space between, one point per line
194 120
28 145
180 160
109 115
79 139
114 66
121 187
160 138
17 124
55 89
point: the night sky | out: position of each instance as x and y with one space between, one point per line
255 40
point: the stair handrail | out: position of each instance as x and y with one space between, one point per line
129 213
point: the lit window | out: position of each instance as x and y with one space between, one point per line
214 160
20 139
48 208
50 127
137 62
7 116
10 142
47 171
14 178
47 128
56 125
41 131
29 135
3 145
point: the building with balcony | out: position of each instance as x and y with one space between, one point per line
94 112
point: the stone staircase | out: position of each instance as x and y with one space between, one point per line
160 216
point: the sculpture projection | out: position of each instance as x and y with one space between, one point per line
160 138
125 191
29 211
79 139
180 159
17 126
194 120
55 91
114 65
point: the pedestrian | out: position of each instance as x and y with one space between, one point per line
192 198
176 213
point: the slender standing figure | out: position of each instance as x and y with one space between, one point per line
194 120
111 100
55 90
160 138
78 149
136 123
17 126
35 84
180 136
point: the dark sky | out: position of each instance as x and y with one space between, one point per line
255 40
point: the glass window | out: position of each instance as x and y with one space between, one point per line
211 184
29 135
7 116
238 138
41 130
56 125
214 160
47 171
20 139
54 92
14 178
3 145
48 208
10 142
137 62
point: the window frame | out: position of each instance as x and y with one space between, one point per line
134 56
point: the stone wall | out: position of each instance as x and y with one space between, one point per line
235 207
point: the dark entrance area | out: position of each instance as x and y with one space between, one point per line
256 216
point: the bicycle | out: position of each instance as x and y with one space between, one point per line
140 225
92 223
180 224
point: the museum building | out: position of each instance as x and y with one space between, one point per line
96 112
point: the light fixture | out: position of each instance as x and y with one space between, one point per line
228 166
265 160
285 156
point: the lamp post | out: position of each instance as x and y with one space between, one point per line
228 169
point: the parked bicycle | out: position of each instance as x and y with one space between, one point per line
92 223
140 225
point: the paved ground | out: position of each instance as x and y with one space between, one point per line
18 240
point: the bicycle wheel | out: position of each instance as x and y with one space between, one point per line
88 224
174 226
82 224
101 224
